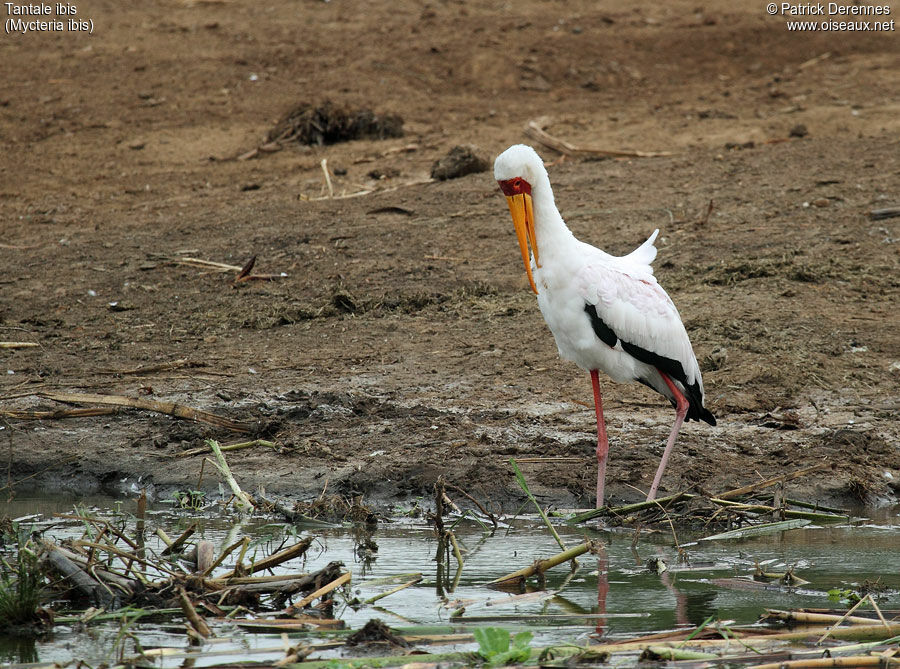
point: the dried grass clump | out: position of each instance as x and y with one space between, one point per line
330 123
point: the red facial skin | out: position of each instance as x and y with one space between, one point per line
515 186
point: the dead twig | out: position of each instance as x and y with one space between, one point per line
541 566
197 623
704 219
289 553
324 590
474 501
227 447
168 408
887 212
535 130
244 502
773 481
324 165
59 413
97 591
243 273
172 547
152 369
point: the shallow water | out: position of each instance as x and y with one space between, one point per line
614 595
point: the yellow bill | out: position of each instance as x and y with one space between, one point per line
522 210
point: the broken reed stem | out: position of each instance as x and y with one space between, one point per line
403 586
18 344
150 369
674 654
168 408
536 131
243 501
20 414
811 618
456 552
324 165
227 447
324 590
165 538
878 611
524 486
125 555
278 558
199 625
173 546
630 508
101 526
543 565
225 553
843 661
773 481
844 617
474 501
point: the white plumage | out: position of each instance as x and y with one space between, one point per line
607 313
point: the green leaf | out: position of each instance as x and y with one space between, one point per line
494 646
491 641
522 639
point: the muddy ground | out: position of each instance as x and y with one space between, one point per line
403 343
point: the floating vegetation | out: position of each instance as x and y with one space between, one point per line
274 592
22 589
743 512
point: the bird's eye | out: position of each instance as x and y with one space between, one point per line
517 184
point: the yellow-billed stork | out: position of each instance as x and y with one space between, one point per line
607 313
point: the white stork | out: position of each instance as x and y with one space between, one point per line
606 312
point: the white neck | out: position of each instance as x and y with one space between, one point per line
553 236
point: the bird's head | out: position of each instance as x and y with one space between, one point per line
518 170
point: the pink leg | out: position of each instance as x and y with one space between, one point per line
681 409
602 442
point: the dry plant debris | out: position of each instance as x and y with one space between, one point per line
330 123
